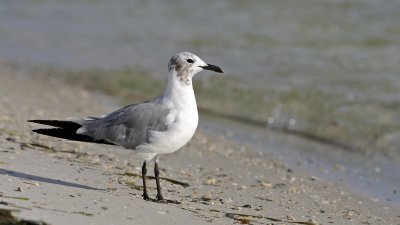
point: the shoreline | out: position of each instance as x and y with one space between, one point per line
229 182
372 176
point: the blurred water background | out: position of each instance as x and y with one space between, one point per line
324 70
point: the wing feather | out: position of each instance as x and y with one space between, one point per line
128 126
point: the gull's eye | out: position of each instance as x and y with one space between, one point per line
190 61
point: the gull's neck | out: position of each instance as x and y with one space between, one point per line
180 91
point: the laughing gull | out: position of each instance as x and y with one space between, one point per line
150 129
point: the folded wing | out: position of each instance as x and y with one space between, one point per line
128 126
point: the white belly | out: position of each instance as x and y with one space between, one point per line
178 134
181 122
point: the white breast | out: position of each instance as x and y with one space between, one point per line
182 124
178 134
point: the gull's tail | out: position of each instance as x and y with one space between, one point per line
66 130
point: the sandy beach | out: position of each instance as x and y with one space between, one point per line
216 180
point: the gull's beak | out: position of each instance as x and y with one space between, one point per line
213 68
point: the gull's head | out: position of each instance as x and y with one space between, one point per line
186 64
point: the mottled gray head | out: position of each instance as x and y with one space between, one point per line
187 64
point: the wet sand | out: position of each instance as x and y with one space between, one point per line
216 179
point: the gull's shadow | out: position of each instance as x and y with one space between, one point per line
45 179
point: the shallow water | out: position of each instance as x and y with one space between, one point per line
326 68
257 39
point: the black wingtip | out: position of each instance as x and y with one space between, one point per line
69 135
58 123
43 131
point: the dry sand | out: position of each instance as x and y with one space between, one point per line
61 182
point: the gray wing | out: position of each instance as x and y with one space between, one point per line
128 126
